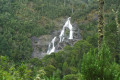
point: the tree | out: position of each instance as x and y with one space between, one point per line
110 36
65 68
80 48
49 70
96 66
70 77
118 26
100 23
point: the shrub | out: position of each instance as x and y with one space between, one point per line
100 66
49 70
40 75
70 77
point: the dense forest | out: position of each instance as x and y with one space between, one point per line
95 57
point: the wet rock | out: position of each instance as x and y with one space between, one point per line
40 45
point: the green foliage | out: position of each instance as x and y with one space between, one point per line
112 39
57 74
99 66
24 71
110 36
73 70
22 19
35 62
70 77
65 66
4 62
8 71
4 75
67 61
88 29
93 40
65 69
40 75
82 46
49 70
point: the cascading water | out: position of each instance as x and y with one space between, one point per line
71 34
61 36
66 23
49 47
69 26
53 46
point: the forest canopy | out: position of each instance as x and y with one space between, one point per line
22 19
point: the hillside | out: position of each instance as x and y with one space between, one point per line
25 25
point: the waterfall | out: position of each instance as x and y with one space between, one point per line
66 23
71 29
71 34
61 36
49 47
53 46
69 26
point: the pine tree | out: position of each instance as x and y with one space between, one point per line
65 66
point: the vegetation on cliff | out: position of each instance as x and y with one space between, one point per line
22 19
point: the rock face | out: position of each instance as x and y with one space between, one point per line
40 45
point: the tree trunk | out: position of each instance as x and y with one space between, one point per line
100 23
101 33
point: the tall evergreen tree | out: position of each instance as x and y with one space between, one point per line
100 23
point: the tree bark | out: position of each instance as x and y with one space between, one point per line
100 23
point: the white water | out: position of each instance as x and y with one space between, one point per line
69 26
61 36
71 29
49 48
71 35
53 46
